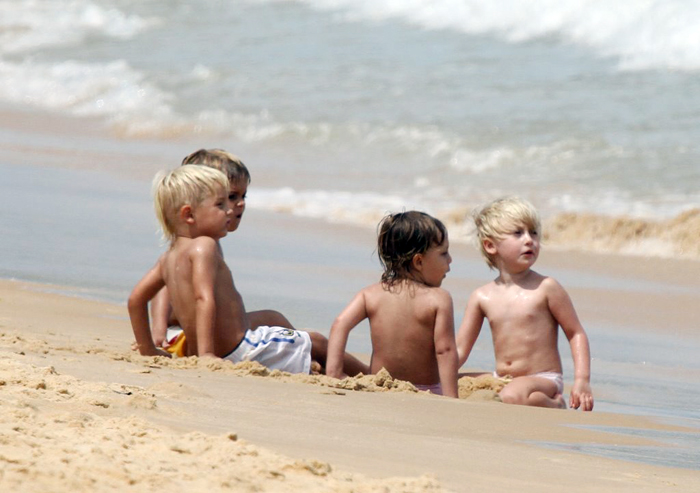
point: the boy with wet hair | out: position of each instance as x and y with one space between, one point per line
410 316
525 310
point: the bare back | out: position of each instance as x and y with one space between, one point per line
523 328
402 326
195 272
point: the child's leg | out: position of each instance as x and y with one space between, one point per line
319 351
270 318
532 391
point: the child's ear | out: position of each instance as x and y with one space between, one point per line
417 261
489 246
186 214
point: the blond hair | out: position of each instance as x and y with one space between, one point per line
230 164
186 185
497 218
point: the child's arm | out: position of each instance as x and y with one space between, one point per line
352 315
445 347
469 329
142 293
563 310
205 261
160 314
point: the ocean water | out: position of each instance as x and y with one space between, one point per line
345 110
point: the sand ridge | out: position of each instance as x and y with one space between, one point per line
482 388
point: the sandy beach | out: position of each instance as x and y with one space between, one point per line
81 412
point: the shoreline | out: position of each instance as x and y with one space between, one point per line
44 138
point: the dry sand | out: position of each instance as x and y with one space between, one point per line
80 412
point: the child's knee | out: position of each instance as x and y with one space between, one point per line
318 338
513 396
279 320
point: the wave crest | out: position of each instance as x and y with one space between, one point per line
33 25
641 34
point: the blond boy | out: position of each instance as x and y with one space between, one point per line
192 206
411 317
239 180
525 310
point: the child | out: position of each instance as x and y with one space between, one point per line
411 318
161 312
192 206
524 310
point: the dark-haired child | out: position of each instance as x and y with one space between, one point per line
411 317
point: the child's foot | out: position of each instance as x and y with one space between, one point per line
316 368
559 399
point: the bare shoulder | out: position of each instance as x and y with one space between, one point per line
203 246
550 285
373 288
371 294
373 291
440 297
483 292
162 259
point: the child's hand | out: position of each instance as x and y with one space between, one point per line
158 351
340 375
163 353
581 396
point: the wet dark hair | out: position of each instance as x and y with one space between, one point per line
403 235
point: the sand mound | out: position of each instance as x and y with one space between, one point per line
676 237
481 388
61 434
672 238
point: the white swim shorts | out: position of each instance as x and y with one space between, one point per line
277 348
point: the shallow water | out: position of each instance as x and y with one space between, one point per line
347 109
677 449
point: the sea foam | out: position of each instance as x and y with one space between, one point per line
52 23
640 34
99 89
